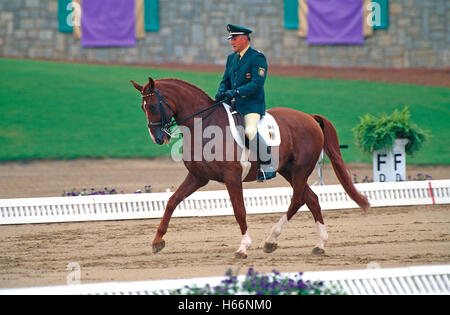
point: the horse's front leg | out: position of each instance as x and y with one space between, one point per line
234 187
190 184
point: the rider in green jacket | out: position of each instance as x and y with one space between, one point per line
243 82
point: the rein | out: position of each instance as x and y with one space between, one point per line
166 125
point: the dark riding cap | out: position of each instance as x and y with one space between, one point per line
234 30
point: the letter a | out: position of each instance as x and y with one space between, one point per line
374 17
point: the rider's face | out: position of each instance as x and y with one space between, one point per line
239 42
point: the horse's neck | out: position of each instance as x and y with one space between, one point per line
190 101
192 108
203 119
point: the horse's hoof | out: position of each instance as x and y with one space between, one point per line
157 247
240 255
270 247
318 251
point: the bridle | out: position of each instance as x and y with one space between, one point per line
166 123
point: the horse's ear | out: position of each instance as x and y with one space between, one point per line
151 83
137 86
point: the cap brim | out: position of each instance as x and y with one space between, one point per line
235 34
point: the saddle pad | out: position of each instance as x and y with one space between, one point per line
267 128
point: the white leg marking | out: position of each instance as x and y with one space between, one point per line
276 230
323 236
245 243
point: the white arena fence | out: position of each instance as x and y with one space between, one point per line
387 281
212 203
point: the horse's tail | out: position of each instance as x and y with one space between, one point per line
333 151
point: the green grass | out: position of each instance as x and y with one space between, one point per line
65 111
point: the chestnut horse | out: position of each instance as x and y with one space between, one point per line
169 101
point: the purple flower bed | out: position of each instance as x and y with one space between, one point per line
104 191
261 284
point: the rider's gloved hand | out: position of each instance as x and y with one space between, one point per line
220 96
230 94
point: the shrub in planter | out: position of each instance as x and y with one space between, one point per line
375 133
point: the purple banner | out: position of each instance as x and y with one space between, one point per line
108 23
335 22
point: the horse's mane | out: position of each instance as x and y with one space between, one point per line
188 84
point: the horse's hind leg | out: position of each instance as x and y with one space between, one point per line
311 200
313 204
302 194
189 185
271 242
296 202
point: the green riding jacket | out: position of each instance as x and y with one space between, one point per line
247 76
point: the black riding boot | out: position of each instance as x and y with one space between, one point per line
266 168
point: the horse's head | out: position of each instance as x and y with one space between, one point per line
157 110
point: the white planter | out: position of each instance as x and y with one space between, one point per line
389 164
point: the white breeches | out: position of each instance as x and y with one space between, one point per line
251 125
